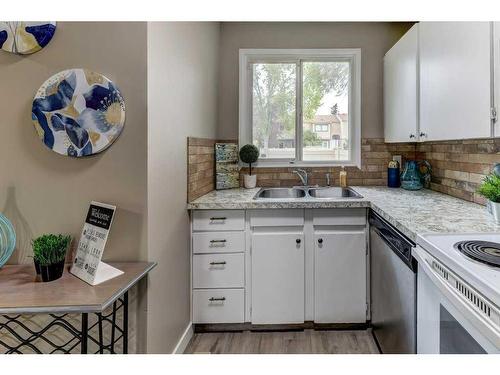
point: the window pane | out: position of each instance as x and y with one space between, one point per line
273 112
325 116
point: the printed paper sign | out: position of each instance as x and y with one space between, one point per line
87 264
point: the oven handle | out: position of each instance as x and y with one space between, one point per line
484 326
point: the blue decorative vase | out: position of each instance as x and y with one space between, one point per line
7 240
411 178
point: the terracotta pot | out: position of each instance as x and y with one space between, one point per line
250 181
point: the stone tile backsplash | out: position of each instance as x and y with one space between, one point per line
457 166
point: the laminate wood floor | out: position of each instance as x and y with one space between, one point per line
300 342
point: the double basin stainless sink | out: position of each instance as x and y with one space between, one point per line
299 192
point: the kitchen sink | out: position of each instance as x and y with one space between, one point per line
280 193
306 192
333 192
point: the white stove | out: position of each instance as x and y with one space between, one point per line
458 303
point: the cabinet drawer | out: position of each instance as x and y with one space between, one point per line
219 271
339 216
218 242
219 306
218 220
277 218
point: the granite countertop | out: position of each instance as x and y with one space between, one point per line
412 212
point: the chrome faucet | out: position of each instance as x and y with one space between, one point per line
302 173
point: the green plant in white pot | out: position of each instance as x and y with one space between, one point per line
249 154
490 189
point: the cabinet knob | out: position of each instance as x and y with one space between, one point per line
320 240
412 136
422 134
298 240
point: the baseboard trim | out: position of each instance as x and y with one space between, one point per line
184 340
239 327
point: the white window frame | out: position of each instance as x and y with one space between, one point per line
250 56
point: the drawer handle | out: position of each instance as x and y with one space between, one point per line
218 218
218 263
216 299
218 241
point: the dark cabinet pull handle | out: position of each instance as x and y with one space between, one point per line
218 263
298 240
217 241
320 240
218 218
213 299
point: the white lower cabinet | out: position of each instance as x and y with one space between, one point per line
277 278
219 270
279 266
218 306
340 276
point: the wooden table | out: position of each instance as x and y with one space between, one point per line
21 294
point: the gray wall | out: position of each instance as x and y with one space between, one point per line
43 192
182 102
374 39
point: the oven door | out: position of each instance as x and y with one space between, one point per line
444 323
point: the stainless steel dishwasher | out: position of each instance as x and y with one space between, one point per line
393 280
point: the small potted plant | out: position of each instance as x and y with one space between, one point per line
49 254
249 154
490 189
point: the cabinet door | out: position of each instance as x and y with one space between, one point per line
455 80
340 277
496 74
401 89
277 278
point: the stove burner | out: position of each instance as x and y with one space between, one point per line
482 251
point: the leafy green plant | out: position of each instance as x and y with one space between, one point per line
490 188
249 154
50 248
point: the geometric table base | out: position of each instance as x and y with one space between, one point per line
26 338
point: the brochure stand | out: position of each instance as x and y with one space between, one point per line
87 264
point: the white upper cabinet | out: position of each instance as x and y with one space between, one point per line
496 53
401 89
455 80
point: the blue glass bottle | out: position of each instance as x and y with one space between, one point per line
7 240
411 179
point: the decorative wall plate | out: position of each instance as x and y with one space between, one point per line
78 112
25 38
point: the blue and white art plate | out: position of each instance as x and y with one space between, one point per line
24 38
78 112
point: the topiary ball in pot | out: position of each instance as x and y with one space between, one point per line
49 254
249 154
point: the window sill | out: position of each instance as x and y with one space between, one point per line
285 164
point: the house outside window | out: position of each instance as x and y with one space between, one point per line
301 107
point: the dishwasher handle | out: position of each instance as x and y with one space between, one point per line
395 240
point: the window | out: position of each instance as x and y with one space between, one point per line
320 128
293 103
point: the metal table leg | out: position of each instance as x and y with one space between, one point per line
85 332
125 323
